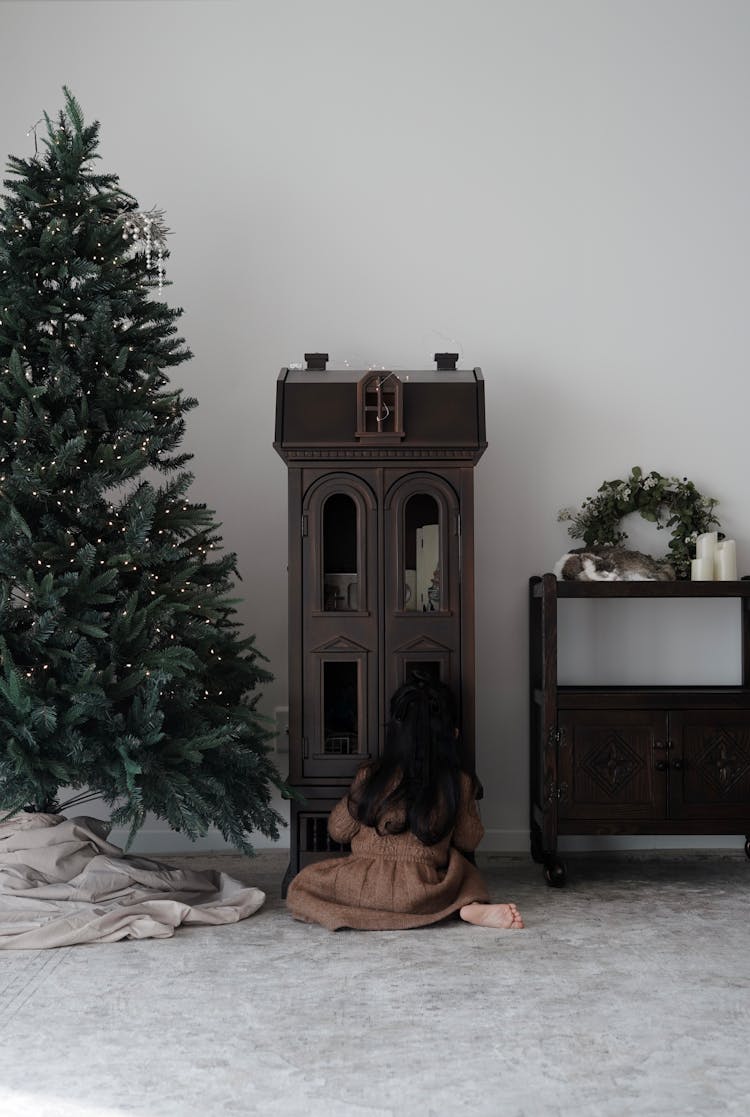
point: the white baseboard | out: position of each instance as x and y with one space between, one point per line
614 842
161 840
168 841
517 841
505 841
158 838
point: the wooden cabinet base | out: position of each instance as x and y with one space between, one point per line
633 760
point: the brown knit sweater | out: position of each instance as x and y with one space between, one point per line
391 882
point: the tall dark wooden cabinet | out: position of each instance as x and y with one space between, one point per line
633 759
381 562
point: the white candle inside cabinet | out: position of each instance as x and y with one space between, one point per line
702 570
725 561
705 545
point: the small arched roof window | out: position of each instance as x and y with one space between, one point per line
380 409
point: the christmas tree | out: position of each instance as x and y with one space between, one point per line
124 672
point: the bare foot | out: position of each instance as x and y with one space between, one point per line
504 917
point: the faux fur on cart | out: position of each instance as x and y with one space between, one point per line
62 883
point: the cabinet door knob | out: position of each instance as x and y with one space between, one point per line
661 765
677 764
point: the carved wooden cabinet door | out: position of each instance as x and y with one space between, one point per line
709 764
612 764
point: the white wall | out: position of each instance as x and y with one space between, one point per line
560 188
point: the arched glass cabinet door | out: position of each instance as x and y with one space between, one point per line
423 593
340 625
339 526
422 541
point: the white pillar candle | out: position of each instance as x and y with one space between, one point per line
702 570
725 561
705 545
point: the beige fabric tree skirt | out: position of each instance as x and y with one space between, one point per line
62 883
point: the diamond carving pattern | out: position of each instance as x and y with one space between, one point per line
726 759
613 764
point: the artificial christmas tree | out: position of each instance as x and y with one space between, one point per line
124 674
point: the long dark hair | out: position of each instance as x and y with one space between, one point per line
417 777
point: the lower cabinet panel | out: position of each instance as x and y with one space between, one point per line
709 764
607 764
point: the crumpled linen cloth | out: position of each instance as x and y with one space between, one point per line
62 883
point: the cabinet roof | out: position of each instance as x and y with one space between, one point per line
443 411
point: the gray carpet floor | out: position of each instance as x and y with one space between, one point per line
628 993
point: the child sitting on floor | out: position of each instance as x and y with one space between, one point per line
410 816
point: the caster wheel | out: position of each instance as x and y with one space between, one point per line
747 847
555 874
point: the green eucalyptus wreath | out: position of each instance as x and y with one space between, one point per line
666 501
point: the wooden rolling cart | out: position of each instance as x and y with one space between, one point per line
381 563
633 759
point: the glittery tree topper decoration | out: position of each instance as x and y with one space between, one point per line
148 229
